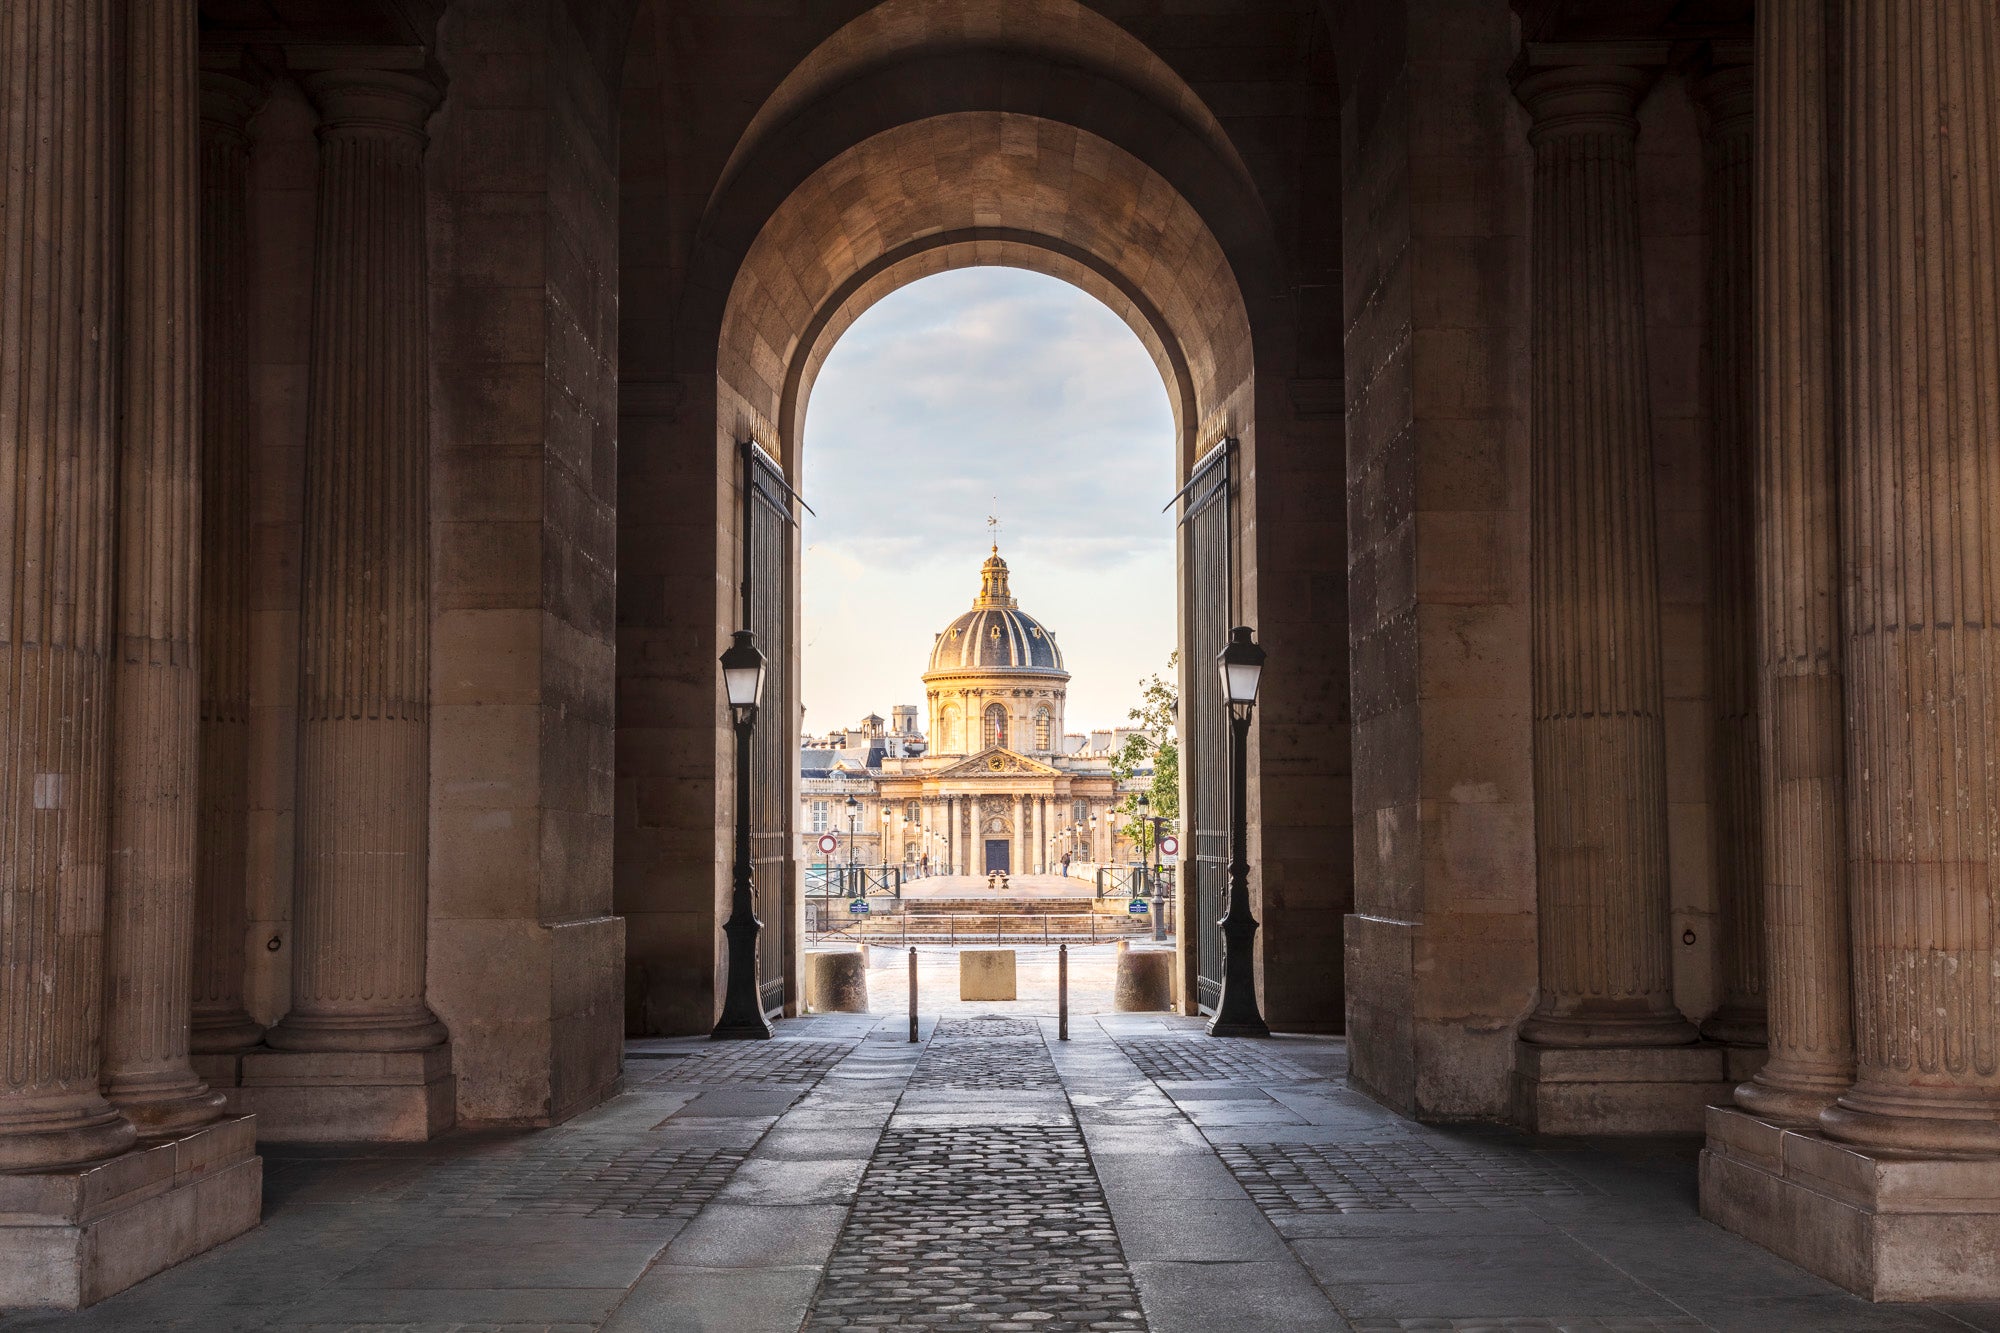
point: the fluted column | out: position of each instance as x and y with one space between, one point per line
1724 96
364 714
1919 247
975 841
222 822
58 460
1599 769
155 681
1017 860
1811 1031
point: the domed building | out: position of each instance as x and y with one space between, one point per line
998 786
996 677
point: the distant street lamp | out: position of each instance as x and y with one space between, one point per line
1152 849
853 814
742 1007
1236 1013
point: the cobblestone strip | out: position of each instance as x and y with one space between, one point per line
980 1228
1398 1175
724 1063
1200 1060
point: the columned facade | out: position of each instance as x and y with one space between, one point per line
1879 381
1610 473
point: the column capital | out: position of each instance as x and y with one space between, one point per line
1586 88
1723 87
353 99
228 100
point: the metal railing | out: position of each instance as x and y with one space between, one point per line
854 881
827 921
1134 881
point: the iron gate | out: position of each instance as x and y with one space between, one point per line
768 521
1207 562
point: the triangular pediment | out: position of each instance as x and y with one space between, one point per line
998 761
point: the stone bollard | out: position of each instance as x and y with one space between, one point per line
986 974
1145 980
836 981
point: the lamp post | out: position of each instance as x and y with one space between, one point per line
1152 823
742 1006
1241 664
853 814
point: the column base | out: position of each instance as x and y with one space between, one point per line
72 1236
1887 1226
347 1096
212 1034
1618 1089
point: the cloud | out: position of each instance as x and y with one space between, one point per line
966 394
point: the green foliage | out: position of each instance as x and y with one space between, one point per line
1158 740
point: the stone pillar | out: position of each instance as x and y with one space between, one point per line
1811 1034
364 717
1724 96
975 842
57 401
221 1023
1919 247
1599 770
155 679
1018 857
1041 835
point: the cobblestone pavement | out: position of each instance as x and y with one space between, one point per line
734 1061
980 1226
1195 1059
1389 1174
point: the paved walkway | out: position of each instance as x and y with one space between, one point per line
1139 1176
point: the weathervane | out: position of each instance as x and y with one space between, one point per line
993 528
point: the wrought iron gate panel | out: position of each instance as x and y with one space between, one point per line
767 612
1206 558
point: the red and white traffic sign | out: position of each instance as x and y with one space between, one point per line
827 842
1169 845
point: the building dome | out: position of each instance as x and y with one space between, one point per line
995 635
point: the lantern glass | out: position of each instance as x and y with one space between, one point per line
1241 665
743 671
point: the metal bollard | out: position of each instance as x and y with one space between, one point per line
1062 992
913 994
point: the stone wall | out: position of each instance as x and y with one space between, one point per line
525 956
1441 946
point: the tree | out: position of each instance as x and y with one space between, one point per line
1158 741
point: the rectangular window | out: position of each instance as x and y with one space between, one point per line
819 816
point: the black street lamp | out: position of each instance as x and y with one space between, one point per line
1236 1014
853 813
1152 823
742 1006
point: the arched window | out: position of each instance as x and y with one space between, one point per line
1042 729
996 724
948 729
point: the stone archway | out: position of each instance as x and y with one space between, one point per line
1090 168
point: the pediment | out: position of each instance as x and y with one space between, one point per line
999 761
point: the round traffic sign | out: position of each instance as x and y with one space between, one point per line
1170 845
827 842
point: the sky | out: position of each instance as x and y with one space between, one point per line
975 393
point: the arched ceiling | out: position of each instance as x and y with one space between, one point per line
1038 194
907 33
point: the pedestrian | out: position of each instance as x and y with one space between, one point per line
1065 865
